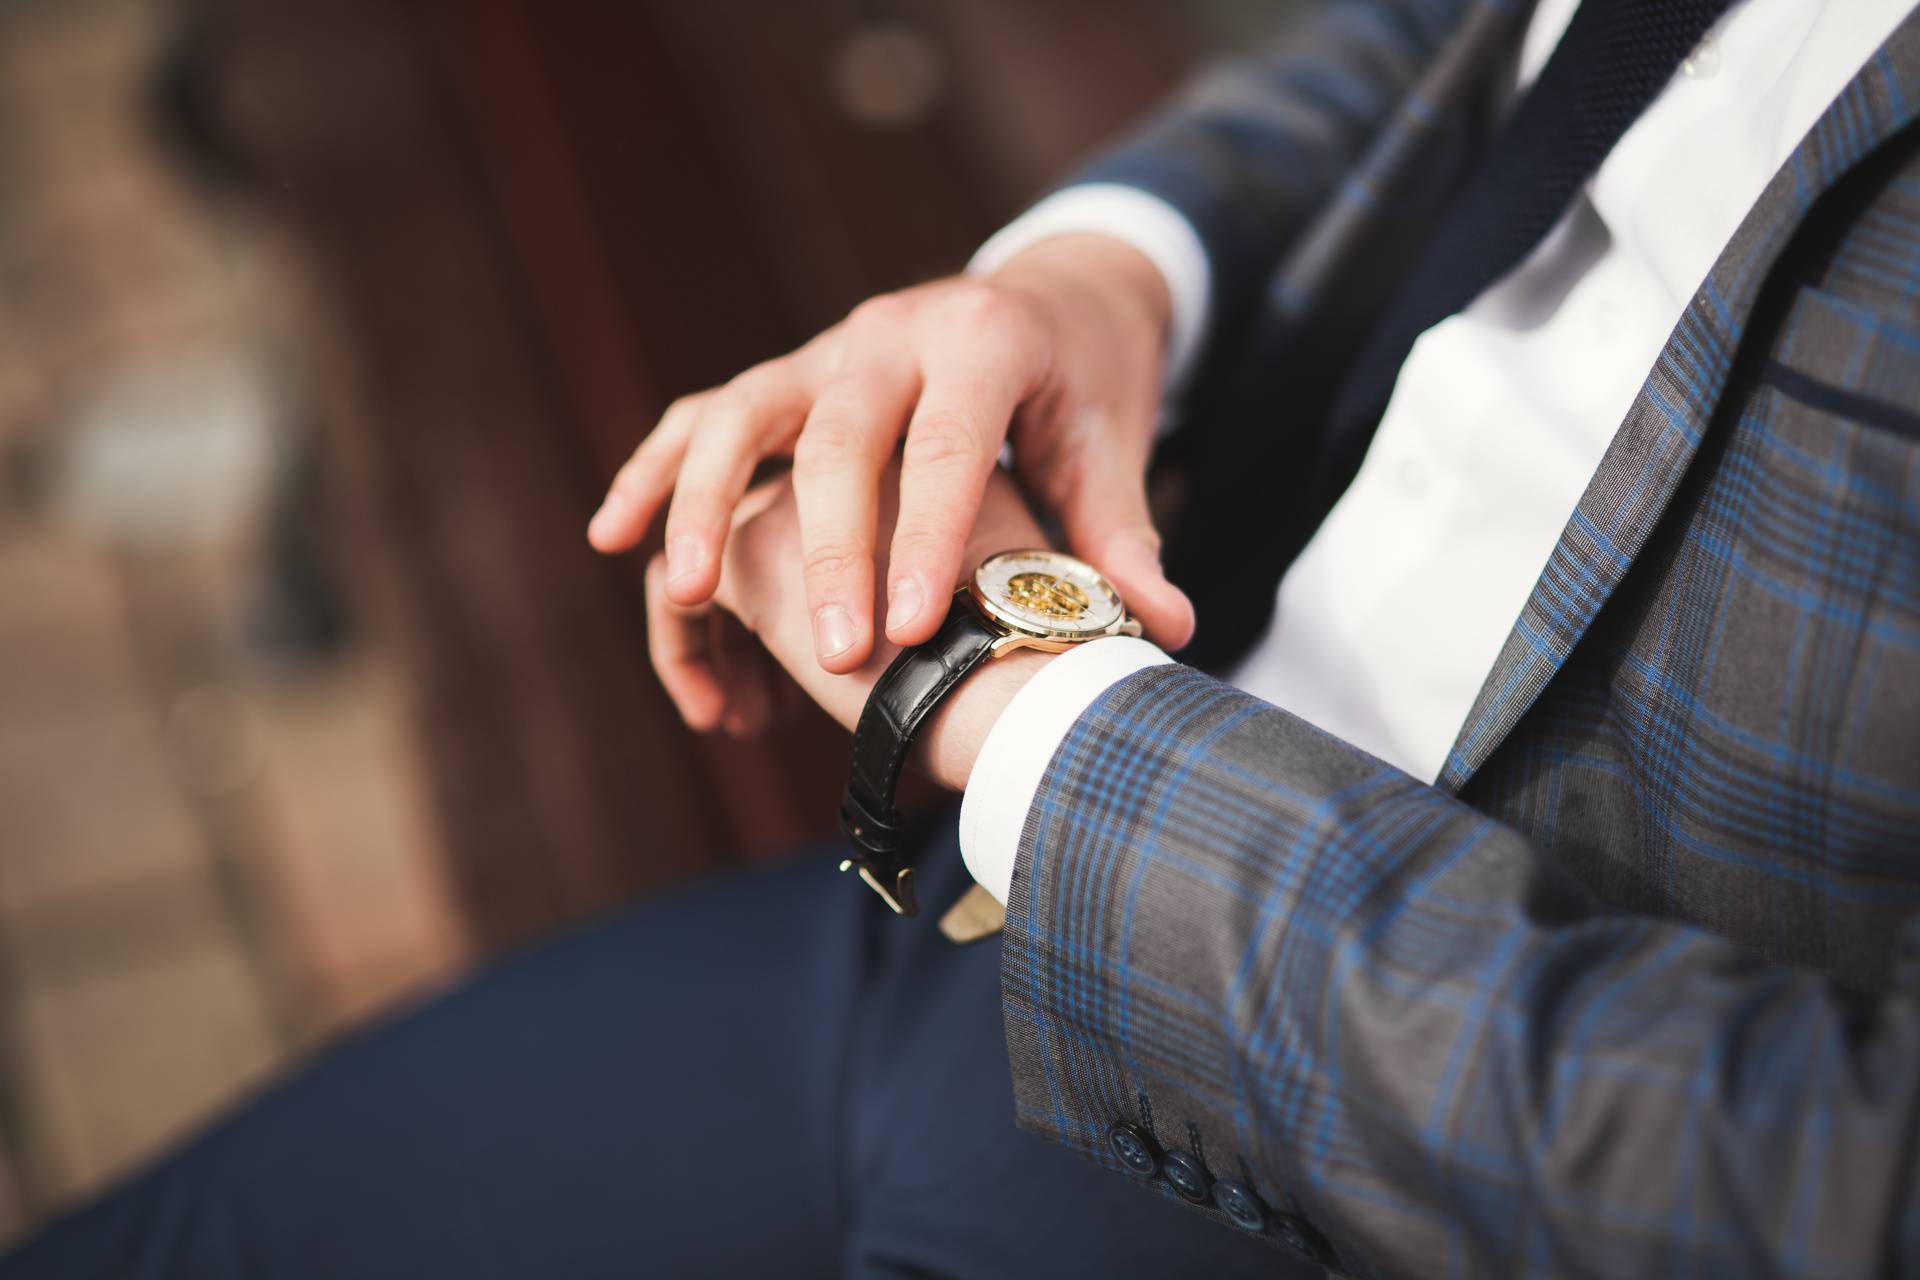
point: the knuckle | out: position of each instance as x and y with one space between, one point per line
685 406
677 416
727 429
979 309
922 542
814 462
880 314
679 420
832 437
832 561
944 439
754 390
757 379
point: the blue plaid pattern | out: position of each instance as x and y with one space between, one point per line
1635 991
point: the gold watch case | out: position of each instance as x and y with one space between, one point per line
1046 600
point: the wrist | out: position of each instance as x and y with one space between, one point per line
950 742
1119 277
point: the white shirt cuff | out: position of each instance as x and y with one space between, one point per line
1014 758
1146 222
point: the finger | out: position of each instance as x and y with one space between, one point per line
643 483
952 444
1103 508
746 674
647 480
752 416
679 641
837 463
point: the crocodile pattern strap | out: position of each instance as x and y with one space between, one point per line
905 695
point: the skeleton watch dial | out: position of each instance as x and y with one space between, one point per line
1046 593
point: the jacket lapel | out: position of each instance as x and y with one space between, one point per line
1396 164
1649 455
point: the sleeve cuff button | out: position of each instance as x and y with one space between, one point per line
1189 1177
1297 1235
1135 1150
1242 1207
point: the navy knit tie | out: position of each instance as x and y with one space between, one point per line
1615 57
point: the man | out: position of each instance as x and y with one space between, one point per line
1450 944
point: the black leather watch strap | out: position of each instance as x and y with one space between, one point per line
906 694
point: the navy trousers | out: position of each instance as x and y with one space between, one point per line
766 1076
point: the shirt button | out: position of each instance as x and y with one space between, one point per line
1135 1149
1188 1176
1242 1207
1704 61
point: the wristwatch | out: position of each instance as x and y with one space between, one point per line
1015 600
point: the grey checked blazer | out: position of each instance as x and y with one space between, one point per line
1635 990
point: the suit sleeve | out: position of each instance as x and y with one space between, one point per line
1422 1047
1250 151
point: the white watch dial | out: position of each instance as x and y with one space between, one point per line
1047 593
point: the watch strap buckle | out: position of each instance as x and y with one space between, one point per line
895 888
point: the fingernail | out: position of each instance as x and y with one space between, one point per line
684 556
832 631
612 509
903 603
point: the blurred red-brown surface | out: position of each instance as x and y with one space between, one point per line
567 216
322 326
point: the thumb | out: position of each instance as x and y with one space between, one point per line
1108 524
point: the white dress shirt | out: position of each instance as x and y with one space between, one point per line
1393 614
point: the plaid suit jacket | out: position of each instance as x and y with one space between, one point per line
1635 990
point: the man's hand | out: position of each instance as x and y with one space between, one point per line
713 657
1059 350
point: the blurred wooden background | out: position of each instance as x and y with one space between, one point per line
543 222
322 326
